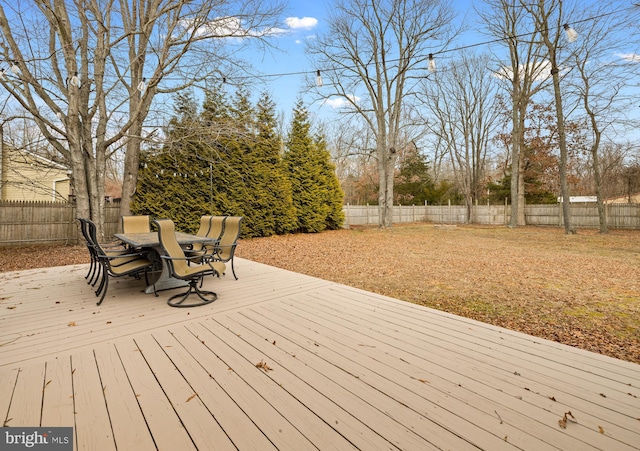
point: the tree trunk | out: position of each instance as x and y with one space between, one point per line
562 142
386 163
515 164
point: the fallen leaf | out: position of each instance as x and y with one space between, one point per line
191 397
72 323
601 429
568 416
11 307
262 364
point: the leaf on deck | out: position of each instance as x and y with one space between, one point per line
262 364
568 416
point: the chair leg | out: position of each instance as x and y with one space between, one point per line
97 271
103 285
206 297
102 282
90 269
233 270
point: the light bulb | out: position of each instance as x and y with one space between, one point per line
432 63
572 34
318 79
142 85
75 81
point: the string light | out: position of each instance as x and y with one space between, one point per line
142 86
572 34
75 81
432 63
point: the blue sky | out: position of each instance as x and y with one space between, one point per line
304 19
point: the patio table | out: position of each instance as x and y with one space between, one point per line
151 241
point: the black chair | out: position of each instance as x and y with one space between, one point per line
109 263
88 229
185 268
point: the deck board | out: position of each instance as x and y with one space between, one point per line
57 400
127 421
161 417
347 369
92 425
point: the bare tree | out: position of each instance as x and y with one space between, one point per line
88 71
550 19
602 84
370 56
462 105
506 21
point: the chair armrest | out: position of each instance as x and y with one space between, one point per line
188 259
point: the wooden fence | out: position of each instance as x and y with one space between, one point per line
32 223
619 216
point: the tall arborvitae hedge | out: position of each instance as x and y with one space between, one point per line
225 160
272 188
315 188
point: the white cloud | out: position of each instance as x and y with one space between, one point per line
340 102
632 57
304 23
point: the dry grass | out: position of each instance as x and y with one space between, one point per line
582 290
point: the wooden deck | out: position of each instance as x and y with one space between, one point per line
286 361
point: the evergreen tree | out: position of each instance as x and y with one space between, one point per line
308 167
333 194
413 183
273 188
227 160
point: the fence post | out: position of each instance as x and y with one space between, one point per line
348 224
506 220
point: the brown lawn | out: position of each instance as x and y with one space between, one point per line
582 290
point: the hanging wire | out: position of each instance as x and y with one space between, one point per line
571 36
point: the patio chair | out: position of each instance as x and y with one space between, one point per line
93 266
205 225
88 229
136 224
226 248
179 267
217 226
116 264
214 227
